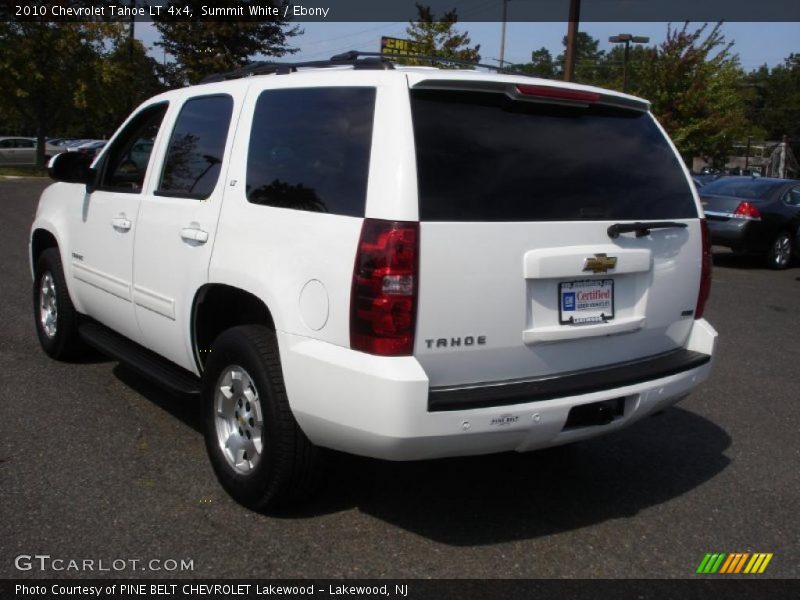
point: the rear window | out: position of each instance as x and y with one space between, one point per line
483 157
746 187
310 148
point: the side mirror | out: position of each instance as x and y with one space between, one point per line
72 167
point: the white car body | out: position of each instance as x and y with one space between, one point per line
131 265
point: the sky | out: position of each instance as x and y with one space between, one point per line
756 43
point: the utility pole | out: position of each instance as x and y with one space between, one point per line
503 34
627 39
572 36
747 153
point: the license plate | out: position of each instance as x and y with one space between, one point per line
586 301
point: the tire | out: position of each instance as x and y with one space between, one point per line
55 317
780 252
796 245
240 417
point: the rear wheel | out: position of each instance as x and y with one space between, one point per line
55 316
259 453
780 251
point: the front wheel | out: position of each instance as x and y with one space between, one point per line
259 453
55 316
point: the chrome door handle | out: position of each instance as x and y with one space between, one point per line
121 223
191 234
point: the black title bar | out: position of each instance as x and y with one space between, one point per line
401 10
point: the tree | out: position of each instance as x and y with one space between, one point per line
46 70
201 48
438 37
124 78
774 106
610 71
695 84
588 59
590 64
541 65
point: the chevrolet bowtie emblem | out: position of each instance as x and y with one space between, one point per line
600 263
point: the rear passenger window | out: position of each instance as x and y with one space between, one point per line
310 148
196 148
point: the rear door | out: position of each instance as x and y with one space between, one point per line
177 224
25 152
520 273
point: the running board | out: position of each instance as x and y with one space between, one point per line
159 370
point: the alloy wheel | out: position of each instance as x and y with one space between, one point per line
239 419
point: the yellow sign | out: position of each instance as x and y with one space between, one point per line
390 45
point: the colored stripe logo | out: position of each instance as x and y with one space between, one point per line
735 562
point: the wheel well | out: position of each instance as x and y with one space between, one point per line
41 241
219 307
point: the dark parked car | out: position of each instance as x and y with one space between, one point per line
755 215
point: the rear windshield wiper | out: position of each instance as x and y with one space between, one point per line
641 229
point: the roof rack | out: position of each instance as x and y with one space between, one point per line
354 58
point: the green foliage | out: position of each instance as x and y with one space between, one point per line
46 70
214 46
124 78
541 65
438 37
588 59
774 107
694 82
590 66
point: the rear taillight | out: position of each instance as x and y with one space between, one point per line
383 300
746 210
705 272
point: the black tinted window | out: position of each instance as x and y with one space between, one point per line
124 169
483 157
196 148
309 149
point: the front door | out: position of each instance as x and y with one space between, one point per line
101 261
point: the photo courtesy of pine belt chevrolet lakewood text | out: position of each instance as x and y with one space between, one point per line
358 255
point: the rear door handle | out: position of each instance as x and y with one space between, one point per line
122 223
191 234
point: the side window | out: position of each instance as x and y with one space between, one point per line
126 161
26 144
310 149
196 148
793 196
7 143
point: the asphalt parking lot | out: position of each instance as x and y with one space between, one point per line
95 463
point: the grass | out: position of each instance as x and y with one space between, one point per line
23 172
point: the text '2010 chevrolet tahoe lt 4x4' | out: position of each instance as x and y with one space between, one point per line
397 262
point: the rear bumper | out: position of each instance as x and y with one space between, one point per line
376 406
738 234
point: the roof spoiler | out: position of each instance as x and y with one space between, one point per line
540 92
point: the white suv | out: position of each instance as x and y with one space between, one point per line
396 262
